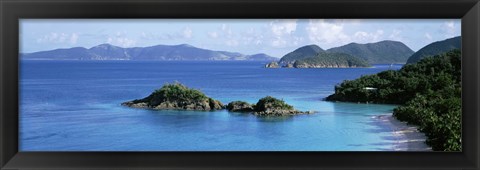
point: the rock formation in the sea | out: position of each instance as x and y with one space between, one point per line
270 106
331 60
267 106
176 96
240 106
272 64
289 65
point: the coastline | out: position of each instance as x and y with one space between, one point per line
408 138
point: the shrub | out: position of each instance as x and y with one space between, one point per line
429 93
175 92
270 102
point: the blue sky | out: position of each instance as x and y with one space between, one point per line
275 37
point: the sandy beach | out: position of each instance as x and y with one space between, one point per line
408 137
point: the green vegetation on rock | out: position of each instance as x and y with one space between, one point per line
383 52
301 53
270 103
350 55
267 106
330 60
436 48
176 96
240 106
428 92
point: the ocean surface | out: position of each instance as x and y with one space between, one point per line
75 106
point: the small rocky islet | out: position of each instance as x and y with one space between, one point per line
267 106
177 96
272 64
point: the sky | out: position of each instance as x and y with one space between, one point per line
275 37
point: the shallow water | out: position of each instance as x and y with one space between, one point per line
75 106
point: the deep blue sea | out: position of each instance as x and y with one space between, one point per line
75 106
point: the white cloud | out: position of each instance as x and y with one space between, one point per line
224 27
226 35
232 42
278 43
354 21
282 27
396 35
213 34
233 38
144 35
73 38
365 37
450 25
326 33
164 36
252 36
187 32
149 36
428 36
277 34
449 29
297 40
282 33
121 39
59 38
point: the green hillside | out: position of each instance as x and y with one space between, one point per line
383 52
330 60
300 53
436 48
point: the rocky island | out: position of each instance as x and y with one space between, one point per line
267 106
323 60
331 60
301 53
312 56
382 52
348 56
176 96
272 64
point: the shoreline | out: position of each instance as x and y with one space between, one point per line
408 137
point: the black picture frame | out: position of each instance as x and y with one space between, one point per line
13 10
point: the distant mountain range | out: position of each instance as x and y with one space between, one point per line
158 52
383 52
436 48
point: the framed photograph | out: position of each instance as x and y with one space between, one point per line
239 84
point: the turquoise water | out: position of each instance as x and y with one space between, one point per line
75 106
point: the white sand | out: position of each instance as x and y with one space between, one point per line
408 137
